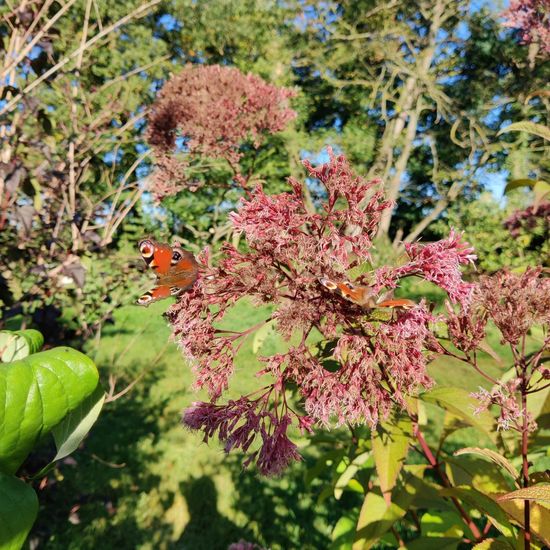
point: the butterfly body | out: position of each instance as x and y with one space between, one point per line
364 296
176 269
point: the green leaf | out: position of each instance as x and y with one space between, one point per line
19 344
529 127
324 463
73 428
441 524
347 475
377 517
18 510
390 444
459 403
517 183
343 533
474 472
539 493
498 459
484 504
40 390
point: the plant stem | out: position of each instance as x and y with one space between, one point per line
525 465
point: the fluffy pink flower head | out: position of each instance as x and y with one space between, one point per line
215 110
516 302
368 364
506 398
438 262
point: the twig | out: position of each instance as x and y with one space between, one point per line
140 12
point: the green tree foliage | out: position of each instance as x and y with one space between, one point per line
484 223
432 82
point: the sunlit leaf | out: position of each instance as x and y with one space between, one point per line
390 444
69 433
376 517
493 544
498 459
540 493
460 403
539 516
347 475
485 504
40 390
442 524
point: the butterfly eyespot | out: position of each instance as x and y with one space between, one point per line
146 250
328 283
144 299
174 290
176 256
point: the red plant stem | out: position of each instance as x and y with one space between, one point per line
444 478
525 466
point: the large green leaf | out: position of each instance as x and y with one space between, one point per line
377 517
539 517
18 509
390 444
19 344
498 459
460 403
345 478
484 504
442 524
36 393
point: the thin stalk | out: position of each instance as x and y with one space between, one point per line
525 466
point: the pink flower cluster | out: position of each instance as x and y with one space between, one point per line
438 262
532 18
288 249
516 302
506 398
215 110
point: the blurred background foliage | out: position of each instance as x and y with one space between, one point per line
413 92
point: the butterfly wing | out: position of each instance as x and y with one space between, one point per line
157 256
176 270
157 293
360 295
402 303
183 272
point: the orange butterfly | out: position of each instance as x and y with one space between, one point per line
176 270
364 297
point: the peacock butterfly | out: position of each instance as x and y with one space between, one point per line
176 270
363 295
